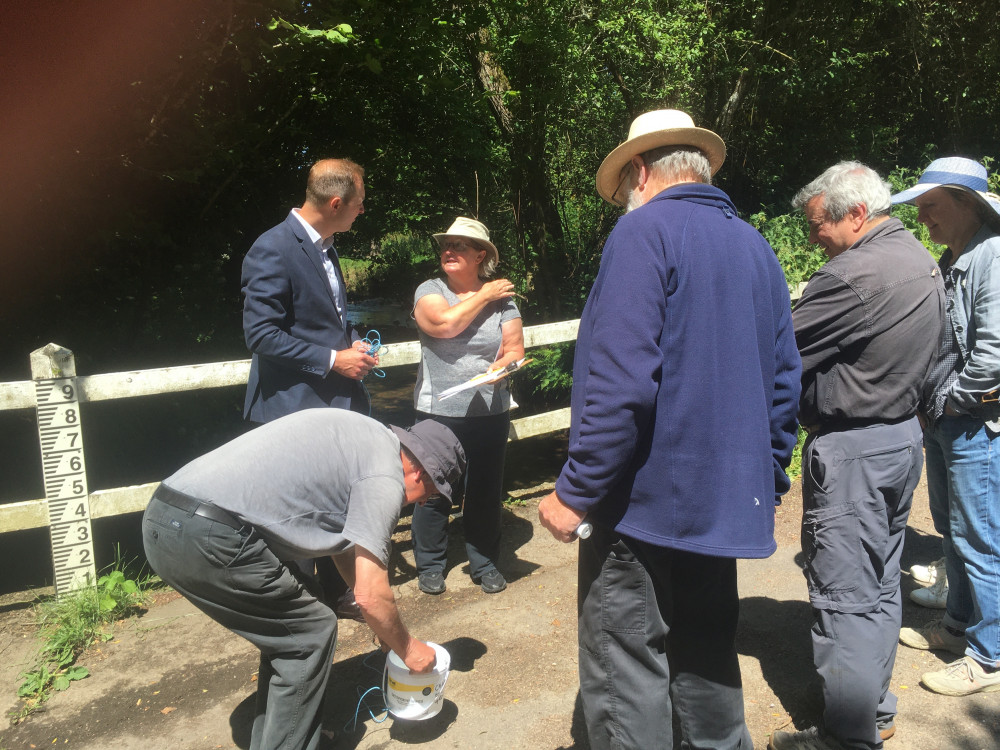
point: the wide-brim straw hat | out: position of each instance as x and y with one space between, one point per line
955 172
473 230
661 127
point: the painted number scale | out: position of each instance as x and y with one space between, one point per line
61 437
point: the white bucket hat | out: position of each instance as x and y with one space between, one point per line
955 172
661 127
474 230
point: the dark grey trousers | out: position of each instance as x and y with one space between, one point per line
234 578
657 631
857 488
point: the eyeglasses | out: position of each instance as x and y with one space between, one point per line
626 173
456 246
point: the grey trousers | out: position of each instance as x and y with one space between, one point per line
657 631
857 489
234 578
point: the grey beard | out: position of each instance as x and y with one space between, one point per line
633 200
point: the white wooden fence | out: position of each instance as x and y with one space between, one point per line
53 364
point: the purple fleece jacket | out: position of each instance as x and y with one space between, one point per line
685 381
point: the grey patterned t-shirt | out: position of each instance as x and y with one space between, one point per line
448 362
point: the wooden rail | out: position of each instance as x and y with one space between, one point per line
31 514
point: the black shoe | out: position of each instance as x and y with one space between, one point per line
346 607
431 582
493 582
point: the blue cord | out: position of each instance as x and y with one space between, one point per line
374 341
351 726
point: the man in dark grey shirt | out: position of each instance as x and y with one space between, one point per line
223 529
867 328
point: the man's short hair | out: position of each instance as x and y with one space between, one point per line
845 186
678 163
333 178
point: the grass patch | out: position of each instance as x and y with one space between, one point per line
515 502
71 623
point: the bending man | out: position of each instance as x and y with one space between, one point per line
317 482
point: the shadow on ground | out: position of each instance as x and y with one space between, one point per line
776 633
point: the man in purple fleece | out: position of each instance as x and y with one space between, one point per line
685 392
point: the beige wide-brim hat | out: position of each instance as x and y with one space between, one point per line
473 230
661 127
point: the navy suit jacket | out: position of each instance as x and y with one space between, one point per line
291 324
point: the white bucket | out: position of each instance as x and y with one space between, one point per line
415 696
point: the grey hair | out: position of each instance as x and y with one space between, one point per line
672 162
845 186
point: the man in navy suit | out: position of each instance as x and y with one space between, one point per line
305 353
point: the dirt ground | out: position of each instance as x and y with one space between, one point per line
171 679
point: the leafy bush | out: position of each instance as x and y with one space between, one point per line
548 377
394 268
788 234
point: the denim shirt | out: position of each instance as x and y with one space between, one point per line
975 319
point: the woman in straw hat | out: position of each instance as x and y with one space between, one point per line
468 325
963 424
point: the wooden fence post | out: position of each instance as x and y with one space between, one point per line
53 368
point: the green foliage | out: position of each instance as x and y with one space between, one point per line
795 467
548 377
339 34
69 624
788 234
499 110
395 266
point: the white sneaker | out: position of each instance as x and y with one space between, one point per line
933 636
963 677
932 597
928 574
